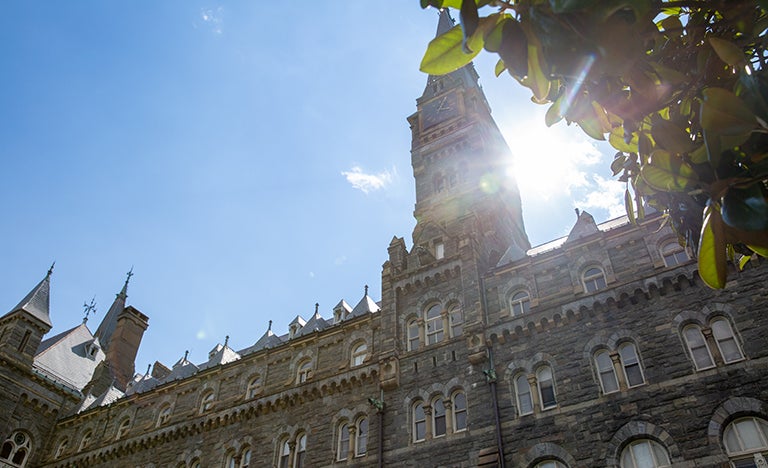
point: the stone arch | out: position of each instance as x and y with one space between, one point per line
584 262
729 410
543 451
688 317
717 309
637 429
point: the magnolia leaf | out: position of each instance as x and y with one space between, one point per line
592 127
672 23
728 52
746 208
445 54
553 114
628 206
671 137
618 163
699 155
513 48
537 78
743 261
470 20
762 251
667 172
712 252
616 139
500 67
723 113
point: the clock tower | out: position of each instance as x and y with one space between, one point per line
460 162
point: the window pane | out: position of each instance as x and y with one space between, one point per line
698 347
459 412
723 334
413 335
524 402
606 372
631 365
457 321
520 303
343 442
362 437
434 324
747 431
546 387
438 418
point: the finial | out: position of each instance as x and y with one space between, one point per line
317 304
366 289
88 308
269 329
186 354
226 341
128 275
577 212
50 270
149 366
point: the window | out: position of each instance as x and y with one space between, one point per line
122 429
206 404
439 250
459 411
359 353
245 459
231 462
413 335
726 341
746 442
520 303
456 320
523 390
61 448
605 370
546 387
15 450
702 358
301 452
434 322
550 464
673 254
304 371
631 364
85 441
644 453
419 422
254 387
438 418
285 454
343 446
593 279
163 415
361 437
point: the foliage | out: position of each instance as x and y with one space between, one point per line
677 87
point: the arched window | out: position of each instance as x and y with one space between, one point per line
746 442
15 450
343 445
194 463
304 371
359 353
550 464
206 403
164 414
61 448
434 323
254 387
726 341
419 422
300 459
631 364
605 370
230 462
122 429
85 441
523 391
698 348
593 279
361 437
285 454
245 459
520 303
644 453
459 411
413 335
438 417
456 319
546 387
673 254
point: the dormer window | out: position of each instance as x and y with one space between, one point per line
304 371
593 280
439 250
92 349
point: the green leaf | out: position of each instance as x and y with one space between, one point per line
537 79
671 137
699 155
616 139
628 206
712 253
553 114
470 20
667 172
445 54
723 113
618 163
728 52
500 67
513 48
746 208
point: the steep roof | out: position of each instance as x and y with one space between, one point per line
220 354
37 302
365 306
181 370
66 356
109 322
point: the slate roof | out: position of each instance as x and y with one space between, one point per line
267 340
109 322
65 357
365 306
111 395
181 370
316 323
221 354
37 302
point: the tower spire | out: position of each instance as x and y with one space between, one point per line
445 23
108 324
37 302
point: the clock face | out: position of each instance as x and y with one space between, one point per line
439 109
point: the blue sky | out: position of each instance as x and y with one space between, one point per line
247 159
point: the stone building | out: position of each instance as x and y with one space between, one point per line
600 349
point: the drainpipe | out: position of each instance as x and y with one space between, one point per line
490 377
379 405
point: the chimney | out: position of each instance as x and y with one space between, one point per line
124 345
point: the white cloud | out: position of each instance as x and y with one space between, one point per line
608 195
201 334
213 18
368 182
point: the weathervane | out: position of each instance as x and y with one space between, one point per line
89 308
